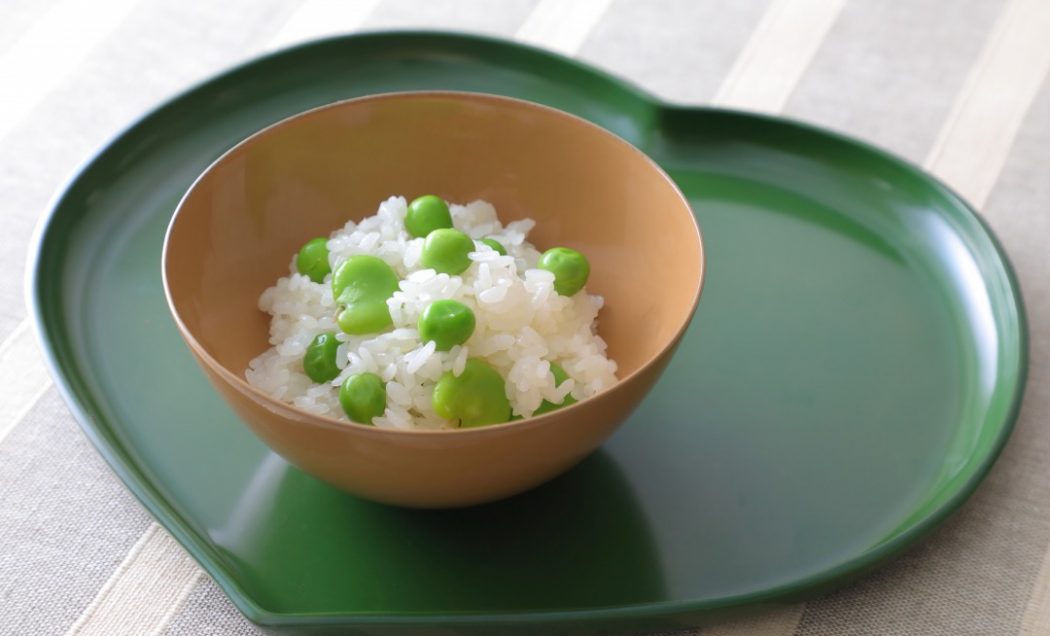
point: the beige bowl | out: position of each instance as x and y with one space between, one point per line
235 230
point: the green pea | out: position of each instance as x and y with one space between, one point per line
319 361
570 269
312 260
363 284
496 245
447 251
476 398
363 397
446 322
560 376
426 214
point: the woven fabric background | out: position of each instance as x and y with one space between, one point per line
958 86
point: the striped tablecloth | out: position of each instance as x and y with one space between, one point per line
955 85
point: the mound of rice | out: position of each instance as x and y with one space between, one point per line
522 323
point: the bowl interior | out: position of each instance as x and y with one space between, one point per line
237 229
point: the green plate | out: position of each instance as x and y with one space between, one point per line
855 366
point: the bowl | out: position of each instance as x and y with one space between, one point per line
236 228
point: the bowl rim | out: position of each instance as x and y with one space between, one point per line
294 414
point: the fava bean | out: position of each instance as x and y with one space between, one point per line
476 398
362 285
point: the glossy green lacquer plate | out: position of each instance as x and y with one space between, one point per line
855 366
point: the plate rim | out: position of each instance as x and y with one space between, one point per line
133 478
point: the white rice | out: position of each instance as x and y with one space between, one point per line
523 325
